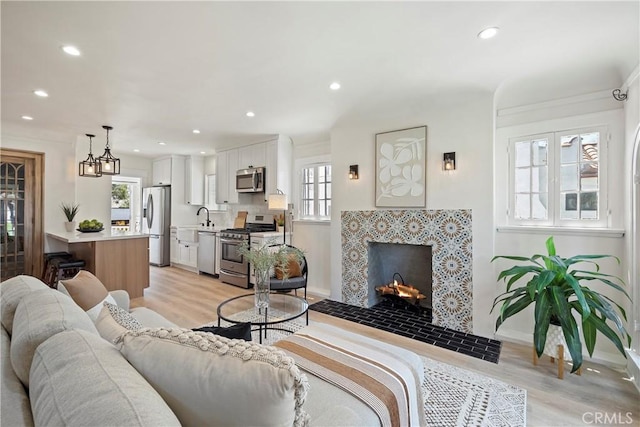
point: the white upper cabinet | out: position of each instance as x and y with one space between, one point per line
162 171
278 166
194 180
252 156
226 167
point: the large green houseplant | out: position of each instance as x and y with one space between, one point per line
555 286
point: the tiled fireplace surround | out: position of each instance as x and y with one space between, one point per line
449 234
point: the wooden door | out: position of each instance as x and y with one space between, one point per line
21 216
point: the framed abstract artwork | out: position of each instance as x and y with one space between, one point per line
401 168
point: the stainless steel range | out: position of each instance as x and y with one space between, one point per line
234 268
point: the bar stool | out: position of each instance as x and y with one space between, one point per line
47 263
61 267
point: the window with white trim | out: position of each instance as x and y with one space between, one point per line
315 202
559 178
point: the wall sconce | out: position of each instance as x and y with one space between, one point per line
353 172
449 161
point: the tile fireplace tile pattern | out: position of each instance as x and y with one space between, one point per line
410 324
448 232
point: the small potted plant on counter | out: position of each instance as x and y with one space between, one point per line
554 285
70 211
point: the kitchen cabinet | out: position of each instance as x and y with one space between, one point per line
174 249
194 180
278 166
226 167
188 254
161 171
210 194
252 156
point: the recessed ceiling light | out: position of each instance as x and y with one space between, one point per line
136 150
488 33
334 86
203 152
27 117
71 50
41 93
162 143
251 114
196 131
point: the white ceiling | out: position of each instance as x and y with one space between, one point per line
156 70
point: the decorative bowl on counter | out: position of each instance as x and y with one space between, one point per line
90 226
90 230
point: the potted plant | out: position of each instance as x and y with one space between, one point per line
70 211
264 258
555 286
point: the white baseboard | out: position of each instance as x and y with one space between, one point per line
633 367
613 360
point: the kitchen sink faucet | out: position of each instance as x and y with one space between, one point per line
208 220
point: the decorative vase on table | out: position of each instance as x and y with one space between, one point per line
70 225
262 289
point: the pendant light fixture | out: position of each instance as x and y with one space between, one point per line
109 165
90 167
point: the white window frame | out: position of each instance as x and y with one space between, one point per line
302 164
553 174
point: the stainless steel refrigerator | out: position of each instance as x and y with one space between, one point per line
156 212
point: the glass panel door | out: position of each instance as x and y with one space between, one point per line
12 217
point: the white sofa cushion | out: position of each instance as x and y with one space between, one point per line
40 315
78 379
11 292
14 400
151 319
211 380
113 322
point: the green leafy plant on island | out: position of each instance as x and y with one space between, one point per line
70 210
554 286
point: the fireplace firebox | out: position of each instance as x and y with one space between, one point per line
409 263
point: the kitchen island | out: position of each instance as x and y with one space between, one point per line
120 259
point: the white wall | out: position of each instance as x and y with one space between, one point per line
460 122
60 173
313 237
597 108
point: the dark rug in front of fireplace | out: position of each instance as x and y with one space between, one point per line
412 323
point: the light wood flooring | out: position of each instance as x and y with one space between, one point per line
190 300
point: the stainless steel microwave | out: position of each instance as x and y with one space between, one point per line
250 180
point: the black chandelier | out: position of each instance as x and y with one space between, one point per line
109 165
90 167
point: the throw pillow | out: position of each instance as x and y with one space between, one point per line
85 289
209 380
113 322
241 331
293 269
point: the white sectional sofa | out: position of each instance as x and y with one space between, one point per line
61 368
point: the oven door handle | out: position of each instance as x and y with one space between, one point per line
228 273
231 242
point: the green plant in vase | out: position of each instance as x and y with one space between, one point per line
264 258
70 211
555 286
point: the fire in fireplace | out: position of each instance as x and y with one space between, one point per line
404 292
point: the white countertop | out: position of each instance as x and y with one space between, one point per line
268 234
200 228
106 234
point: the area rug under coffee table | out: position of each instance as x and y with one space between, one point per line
454 396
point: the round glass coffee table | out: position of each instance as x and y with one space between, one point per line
282 308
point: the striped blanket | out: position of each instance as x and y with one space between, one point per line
386 378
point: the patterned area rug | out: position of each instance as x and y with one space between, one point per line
453 396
